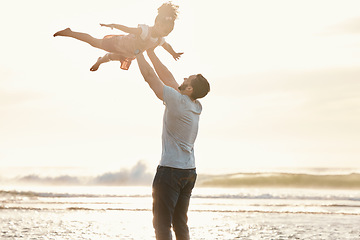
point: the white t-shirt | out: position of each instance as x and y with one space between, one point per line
146 36
180 128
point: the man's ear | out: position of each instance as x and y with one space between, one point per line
189 88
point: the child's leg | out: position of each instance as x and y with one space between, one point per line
100 61
80 36
106 58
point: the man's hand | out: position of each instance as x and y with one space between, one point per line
176 56
150 50
107 25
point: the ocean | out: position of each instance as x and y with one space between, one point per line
258 205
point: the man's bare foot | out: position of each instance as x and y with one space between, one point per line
64 32
96 65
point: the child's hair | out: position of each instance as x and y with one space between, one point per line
201 87
167 12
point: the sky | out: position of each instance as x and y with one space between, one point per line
284 75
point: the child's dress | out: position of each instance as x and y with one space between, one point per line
126 45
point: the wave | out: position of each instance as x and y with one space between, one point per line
139 175
247 196
31 194
342 181
234 200
192 210
279 197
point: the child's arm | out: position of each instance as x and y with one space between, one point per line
136 31
170 50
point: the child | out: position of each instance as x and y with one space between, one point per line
124 47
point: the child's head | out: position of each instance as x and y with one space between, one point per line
165 20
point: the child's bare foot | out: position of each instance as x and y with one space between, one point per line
64 32
96 65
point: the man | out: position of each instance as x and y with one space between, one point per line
176 173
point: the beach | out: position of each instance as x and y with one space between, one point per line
215 213
277 146
84 224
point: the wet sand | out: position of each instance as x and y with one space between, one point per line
79 224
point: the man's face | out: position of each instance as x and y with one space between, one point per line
186 83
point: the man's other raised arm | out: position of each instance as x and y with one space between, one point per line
150 76
164 74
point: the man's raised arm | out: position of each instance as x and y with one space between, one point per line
164 74
150 76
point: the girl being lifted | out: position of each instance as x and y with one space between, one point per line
124 47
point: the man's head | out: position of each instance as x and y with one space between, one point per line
195 86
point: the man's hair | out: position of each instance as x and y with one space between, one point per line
200 86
